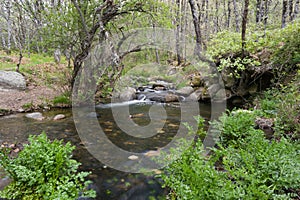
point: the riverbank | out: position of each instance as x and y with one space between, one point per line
46 84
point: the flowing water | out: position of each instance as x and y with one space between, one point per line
109 183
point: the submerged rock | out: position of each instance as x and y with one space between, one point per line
133 157
35 115
59 117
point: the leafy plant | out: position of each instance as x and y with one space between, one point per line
236 66
235 126
44 170
263 169
257 169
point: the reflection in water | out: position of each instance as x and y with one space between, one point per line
109 183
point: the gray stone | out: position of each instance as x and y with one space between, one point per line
171 98
185 91
35 115
220 95
213 89
128 94
196 96
12 80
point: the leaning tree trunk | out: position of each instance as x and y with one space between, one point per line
244 27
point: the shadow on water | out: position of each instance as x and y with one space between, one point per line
109 183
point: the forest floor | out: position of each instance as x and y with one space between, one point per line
45 81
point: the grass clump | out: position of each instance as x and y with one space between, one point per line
44 170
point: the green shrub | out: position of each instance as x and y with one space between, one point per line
234 126
257 169
263 169
44 170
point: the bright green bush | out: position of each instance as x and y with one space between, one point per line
44 170
257 169
235 126
263 169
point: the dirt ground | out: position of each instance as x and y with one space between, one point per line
32 97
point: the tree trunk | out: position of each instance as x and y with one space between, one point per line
196 26
266 16
206 21
229 14
244 27
236 15
2 38
8 23
216 27
258 11
291 10
296 9
178 25
284 13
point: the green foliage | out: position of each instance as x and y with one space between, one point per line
283 104
257 169
235 126
263 169
279 47
44 170
236 66
223 43
269 103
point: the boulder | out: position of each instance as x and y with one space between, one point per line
128 94
171 98
12 80
196 96
163 97
161 83
213 89
185 91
